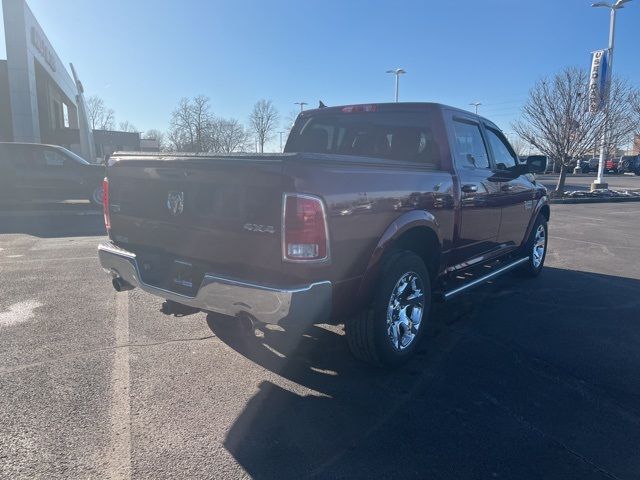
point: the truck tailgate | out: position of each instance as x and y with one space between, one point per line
212 214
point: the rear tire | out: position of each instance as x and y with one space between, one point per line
389 331
536 247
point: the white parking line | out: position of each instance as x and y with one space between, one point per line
48 213
18 313
48 260
120 453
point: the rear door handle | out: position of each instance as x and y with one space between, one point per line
470 188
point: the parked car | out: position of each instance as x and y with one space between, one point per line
268 239
589 165
571 165
629 164
584 167
611 165
32 171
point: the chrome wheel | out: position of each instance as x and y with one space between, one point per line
96 196
539 244
404 313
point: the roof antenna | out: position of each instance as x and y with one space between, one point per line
321 105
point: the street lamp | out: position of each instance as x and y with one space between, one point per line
397 72
280 141
613 7
476 104
302 104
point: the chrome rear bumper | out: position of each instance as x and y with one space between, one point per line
269 304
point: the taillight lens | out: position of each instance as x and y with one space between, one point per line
305 235
105 203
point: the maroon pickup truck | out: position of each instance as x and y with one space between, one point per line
372 213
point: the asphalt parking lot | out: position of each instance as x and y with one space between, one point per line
581 181
518 379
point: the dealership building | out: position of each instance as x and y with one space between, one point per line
40 100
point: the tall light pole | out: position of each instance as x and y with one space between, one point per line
280 141
397 72
599 182
476 104
302 104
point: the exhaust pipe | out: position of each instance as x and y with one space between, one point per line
120 285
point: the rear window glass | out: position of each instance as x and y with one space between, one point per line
402 136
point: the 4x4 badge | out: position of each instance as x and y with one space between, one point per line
252 227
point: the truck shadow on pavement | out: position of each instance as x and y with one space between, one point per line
500 388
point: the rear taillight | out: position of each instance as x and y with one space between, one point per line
304 229
105 203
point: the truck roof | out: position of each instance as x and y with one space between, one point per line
393 106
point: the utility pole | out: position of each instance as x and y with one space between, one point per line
302 104
599 181
476 104
280 141
397 72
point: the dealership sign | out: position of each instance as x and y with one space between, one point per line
598 80
38 41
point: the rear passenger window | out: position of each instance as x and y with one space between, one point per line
471 151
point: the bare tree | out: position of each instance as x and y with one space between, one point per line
191 128
622 119
154 134
520 146
264 121
127 126
635 106
556 121
230 136
289 121
100 117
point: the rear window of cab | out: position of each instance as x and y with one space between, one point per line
400 136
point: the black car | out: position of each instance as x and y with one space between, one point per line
629 164
32 171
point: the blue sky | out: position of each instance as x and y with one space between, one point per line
142 56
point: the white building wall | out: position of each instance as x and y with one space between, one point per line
26 41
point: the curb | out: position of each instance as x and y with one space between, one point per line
594 200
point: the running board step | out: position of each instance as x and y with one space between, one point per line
445 296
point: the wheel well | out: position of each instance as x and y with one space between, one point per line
424 242
546 212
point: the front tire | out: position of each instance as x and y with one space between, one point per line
389 332
536 247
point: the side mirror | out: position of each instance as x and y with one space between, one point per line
536 164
